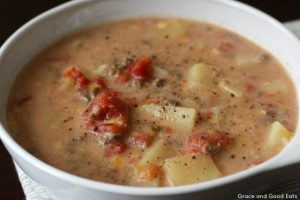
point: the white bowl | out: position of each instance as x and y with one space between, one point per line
58 22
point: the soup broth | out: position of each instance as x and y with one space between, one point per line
153 102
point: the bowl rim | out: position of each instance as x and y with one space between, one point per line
122 189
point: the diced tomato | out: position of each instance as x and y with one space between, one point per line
115 147
204 143
142 140
153 172
168 129
142 69
80 80
107 114
100 82
110 128
124 77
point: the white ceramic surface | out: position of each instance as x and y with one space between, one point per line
54 24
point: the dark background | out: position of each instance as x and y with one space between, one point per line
14 13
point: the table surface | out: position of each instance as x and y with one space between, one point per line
14 13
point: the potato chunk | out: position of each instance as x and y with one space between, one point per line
160 72
189 169
231 87
177 118
277 137
218 116
248 61
156 154
199 76
275 87
172 28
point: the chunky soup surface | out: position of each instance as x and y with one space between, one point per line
153 102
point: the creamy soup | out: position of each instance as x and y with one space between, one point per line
153 102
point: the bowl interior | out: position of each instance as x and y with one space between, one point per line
51 26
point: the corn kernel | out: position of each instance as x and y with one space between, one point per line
286 134
211 132
118 160
242 142
161 25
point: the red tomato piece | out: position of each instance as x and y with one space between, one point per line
80 80
203 143
168 129
110 128
124 77
107 115
100 82
115 147
142 69
153 172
